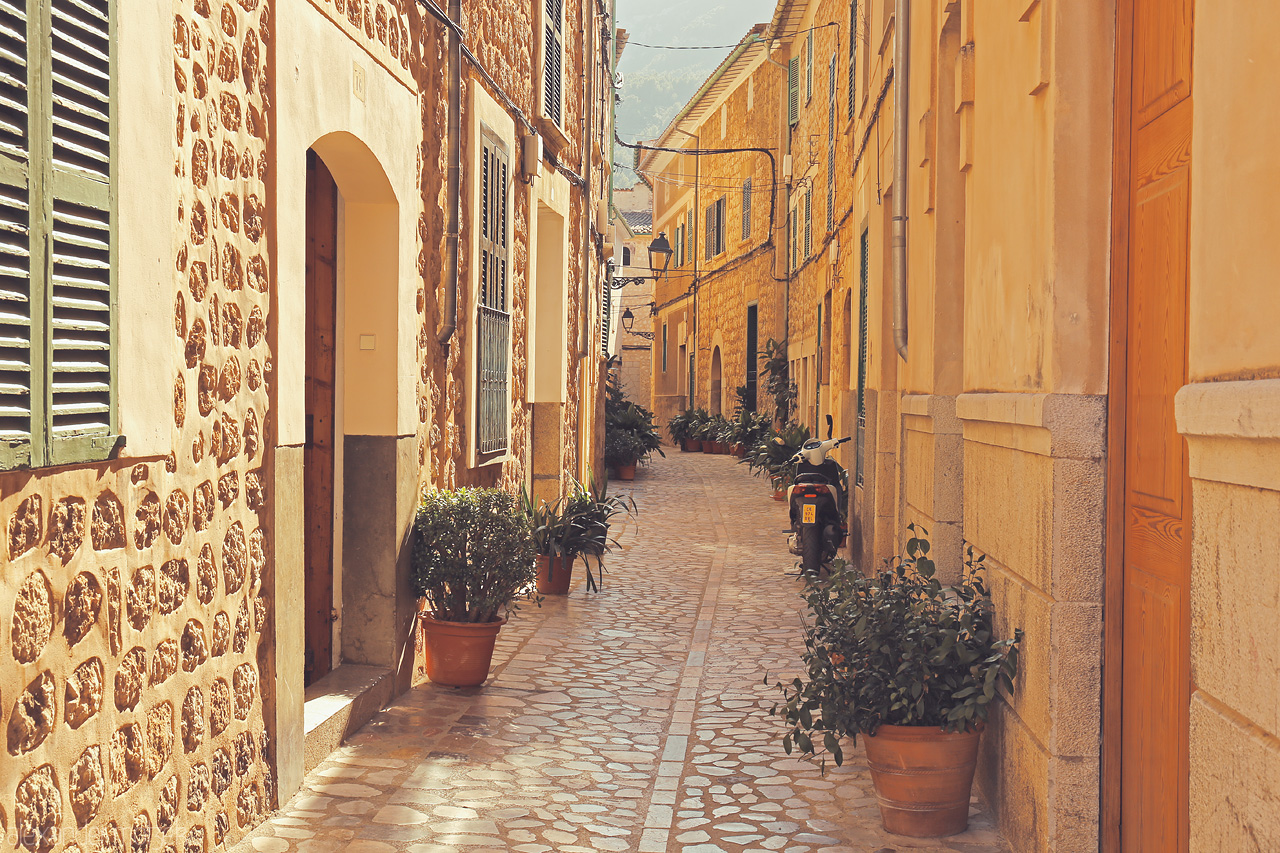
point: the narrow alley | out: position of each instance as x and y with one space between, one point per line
635 719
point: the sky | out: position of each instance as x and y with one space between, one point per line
657 83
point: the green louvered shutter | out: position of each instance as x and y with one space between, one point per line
793 91
808 224
80 292
808 69
17 308
553 67
746 209
853 49
691 235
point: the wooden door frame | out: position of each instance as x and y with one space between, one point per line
1117 387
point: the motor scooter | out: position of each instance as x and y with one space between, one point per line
816 501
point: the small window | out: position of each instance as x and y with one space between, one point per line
664 347
626 256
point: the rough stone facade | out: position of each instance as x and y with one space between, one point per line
136 671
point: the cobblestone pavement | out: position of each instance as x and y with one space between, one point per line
634 719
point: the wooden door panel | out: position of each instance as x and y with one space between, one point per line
1156 566
319 451
1158 313
1154 670
1161 56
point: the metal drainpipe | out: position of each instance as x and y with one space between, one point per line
786 201
450 319
901 91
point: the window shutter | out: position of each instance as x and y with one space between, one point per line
793 91
606 313
808 69
722 223
80 289
709 226
16 306
553 70
746 209
831 144
853 49
690 234
808 224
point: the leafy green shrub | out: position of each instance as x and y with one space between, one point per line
624 448
772 455
472 554
897 648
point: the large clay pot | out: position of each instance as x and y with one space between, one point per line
923 776
739 450
780 495
458 654
554 574
708 446
627 472
691 445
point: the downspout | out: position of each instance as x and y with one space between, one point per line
450 320
901 86
786 201
588 214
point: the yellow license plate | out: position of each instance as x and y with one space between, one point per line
810 514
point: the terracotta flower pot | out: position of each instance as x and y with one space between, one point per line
708 446
627 472
691 445
458 654
739 450
923 776
780 494
554 574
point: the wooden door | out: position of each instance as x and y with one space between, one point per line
1156 656
318 453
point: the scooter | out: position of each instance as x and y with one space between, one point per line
816 502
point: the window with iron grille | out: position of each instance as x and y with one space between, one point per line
57 248
746 209
493 339
861 444
553 62
793 91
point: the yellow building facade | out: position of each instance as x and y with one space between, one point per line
1074 375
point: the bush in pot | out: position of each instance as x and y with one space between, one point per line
472 559
575 525
772 455
913 666
679 427
622 450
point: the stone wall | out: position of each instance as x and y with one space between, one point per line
129 679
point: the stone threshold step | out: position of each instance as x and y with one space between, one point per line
340 703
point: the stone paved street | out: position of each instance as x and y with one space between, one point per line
630 720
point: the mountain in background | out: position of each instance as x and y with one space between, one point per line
656 84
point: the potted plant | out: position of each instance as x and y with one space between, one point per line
911 665
472 558
575 525
622 450
772 456
678 427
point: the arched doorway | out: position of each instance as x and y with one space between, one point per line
717 394
349 480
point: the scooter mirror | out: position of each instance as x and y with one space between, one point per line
830 427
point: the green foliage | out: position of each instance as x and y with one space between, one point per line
679 426
776 371
624 448
472 554
771 456
628 429
897 648
577 525
748 428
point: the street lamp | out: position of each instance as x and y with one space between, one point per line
628 320
660 253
